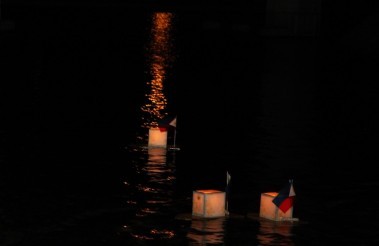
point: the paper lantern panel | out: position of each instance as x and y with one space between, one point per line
208 203
157 138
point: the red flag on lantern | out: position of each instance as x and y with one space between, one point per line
285 198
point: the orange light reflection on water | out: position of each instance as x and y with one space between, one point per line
160 58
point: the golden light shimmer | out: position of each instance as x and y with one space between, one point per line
159 60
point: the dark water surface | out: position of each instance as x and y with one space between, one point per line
266 108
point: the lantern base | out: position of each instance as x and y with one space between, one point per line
257 217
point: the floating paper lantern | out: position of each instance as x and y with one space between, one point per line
208 203
270 211
157 138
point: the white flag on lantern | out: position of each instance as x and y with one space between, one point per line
173 122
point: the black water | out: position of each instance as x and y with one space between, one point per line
266 108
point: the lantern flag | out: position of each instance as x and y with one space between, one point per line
285 198
166 123
173 122
227 191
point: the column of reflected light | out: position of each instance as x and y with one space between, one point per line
159 59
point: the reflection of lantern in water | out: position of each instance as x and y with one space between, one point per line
275 233
207 231
157 138
270 211
158 179
157 155
208 203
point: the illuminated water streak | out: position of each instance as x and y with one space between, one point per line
207 231
151 196
160 58
272 233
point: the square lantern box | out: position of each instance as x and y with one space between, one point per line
270 211
157 138
208 203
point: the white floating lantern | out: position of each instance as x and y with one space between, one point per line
270 211
208 203
157 138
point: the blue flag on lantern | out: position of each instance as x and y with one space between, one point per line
285 198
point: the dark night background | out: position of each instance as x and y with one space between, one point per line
291 85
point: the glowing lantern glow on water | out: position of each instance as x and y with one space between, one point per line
207 231
160 58
157 156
